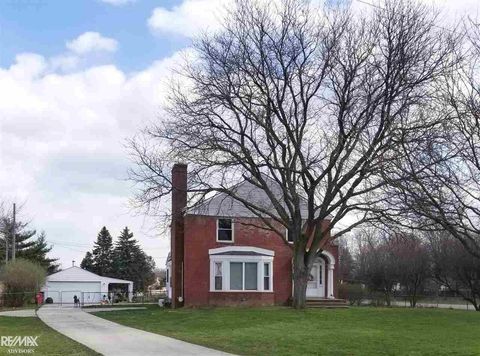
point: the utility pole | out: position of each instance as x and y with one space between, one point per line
6 246
14 243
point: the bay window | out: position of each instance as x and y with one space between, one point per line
239 268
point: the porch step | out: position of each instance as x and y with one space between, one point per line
326 303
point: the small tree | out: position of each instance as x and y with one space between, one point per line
346 262
22 278
413 264
379 270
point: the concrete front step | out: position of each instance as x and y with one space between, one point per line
340 306
326 303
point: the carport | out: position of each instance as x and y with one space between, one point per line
89 287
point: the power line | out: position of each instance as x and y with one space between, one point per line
67 243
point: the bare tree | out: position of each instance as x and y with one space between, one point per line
441 186
378 266
388 259
413 264
315 100
346 262
455 268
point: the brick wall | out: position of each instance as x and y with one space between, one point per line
200 236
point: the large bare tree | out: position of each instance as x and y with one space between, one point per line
315 100
441 185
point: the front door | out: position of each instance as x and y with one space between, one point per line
315 285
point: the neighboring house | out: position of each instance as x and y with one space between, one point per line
89 287
219 257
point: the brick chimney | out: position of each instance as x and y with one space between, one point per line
179 202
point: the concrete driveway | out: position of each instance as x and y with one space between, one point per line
109 338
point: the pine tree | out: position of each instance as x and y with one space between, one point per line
131 263
29 245
103 254
87 262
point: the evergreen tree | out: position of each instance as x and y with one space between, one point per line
131 263
125 247
28 244
87 262
103 254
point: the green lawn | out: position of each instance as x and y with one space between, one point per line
283 331
49 341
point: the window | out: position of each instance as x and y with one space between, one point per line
251 282
236 276
218 276
243 276
288 237
266 276
241 269
320 273
225 230
167 278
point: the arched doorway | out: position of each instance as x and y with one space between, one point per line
316 280
320 281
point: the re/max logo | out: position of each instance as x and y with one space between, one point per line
18 341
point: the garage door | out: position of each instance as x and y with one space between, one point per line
63 292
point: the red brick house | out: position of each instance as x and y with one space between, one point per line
218 256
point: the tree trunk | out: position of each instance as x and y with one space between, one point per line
413 299
300 279
388 299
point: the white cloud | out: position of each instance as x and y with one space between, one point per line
62 148
118 2
189 18
92 42
64 63
28 66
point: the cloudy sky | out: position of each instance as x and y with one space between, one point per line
77 78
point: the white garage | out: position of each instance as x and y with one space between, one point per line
90 288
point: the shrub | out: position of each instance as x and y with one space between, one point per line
377 299
22 279
354 293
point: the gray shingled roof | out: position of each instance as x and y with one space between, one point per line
222 204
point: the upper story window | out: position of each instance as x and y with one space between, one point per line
225 230
288 236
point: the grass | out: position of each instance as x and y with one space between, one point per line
49 341
284 331
26 306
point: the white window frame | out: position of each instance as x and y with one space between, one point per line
215 275
269 276
286 236
233 231
261 260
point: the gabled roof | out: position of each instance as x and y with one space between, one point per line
222 204
77 274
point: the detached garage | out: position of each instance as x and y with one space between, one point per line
89 287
